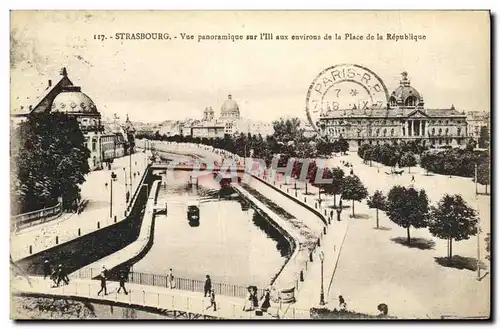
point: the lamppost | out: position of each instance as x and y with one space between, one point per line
322 293
113 177
125 174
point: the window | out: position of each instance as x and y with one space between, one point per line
446 132
385 132
392 132
433 131
459 131
440 131
94 145
392 101
410 101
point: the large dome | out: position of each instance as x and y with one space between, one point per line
230 109
73 100
405 94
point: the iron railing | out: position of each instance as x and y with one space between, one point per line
186 284
36 217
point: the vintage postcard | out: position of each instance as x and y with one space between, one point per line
250 165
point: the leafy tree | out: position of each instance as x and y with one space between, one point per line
377 201
353 189
343 145
288 129
407 208
408 160
483 175
471 144
49 160
484 137
336 186
324 147
453 219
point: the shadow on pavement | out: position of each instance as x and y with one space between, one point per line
461 263
419 243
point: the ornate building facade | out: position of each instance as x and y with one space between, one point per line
405 118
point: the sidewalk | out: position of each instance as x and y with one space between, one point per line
42 237
157 297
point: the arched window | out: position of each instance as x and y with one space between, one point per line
392 101
433 131
440 131
378 132
410 101
385 132
392 132
446 132
459 131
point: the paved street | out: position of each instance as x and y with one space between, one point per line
43 236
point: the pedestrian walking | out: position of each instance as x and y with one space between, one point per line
103 278
208 286
342 303
46 269
106 185
170 278
266 300
127 196
413 178
122 284
212 300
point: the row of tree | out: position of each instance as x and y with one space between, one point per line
451 219
288 140
389 155
458 162
48 162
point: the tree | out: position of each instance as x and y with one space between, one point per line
343 145
484 137
324 147
483 175
336 186
408 160
286 130
377 201
453 219
49 160
353 189
407 208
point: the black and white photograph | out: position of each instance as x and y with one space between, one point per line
250 165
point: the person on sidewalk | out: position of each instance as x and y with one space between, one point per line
103 277
170 279
208 286
342 304
266 300
212 301
122 284
46 269
413 178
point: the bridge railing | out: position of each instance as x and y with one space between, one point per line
186 284
36 217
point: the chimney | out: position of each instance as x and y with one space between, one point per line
50 83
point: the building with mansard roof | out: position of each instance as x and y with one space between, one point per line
405 118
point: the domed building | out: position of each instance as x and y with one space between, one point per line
229 122
405 118
74 102
229 109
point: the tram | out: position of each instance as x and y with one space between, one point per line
193 212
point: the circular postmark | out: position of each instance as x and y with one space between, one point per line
344 87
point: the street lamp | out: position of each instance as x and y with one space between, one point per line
322 293
113 178
125 174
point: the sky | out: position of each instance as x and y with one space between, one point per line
157 80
